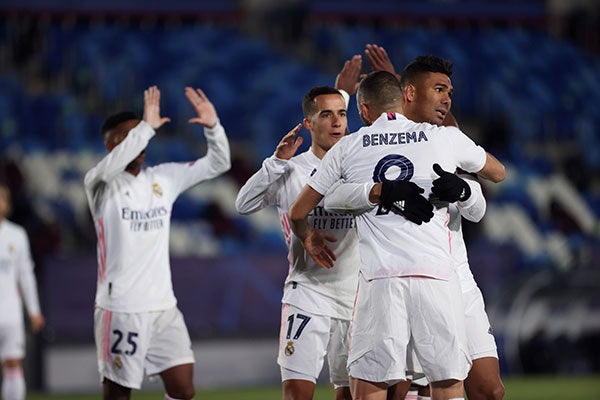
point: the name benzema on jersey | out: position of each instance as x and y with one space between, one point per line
379 139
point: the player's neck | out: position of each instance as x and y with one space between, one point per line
133 170
318 151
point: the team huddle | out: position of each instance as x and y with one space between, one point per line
379 283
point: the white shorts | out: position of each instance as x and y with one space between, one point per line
480 338
391 312
305 339
127 344
12 342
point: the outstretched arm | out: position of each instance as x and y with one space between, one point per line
473 209
349 197
261 189
120 156
207 115
152 108
493 169
347 79
218 157
379 60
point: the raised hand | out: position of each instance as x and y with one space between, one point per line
378 59
449 187
289 144
152 108
207 115
316 246
347 79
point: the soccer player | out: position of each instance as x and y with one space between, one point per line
426 92
408 289
317 302
17 285
138 326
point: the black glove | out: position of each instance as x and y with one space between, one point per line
404 197
449 187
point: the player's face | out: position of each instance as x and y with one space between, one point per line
328 124
4 203
432 99
115 136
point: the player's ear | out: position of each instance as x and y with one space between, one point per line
365 112
409 92
307 124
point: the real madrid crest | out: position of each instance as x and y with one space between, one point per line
289 349
117 363
157 190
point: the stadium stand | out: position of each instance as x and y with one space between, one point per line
526 95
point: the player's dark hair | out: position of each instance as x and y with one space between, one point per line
423 65
308 102
380 90
115 119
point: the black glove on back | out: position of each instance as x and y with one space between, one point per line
449 187
404 197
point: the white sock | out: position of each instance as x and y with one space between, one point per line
13 384
424 398
412 395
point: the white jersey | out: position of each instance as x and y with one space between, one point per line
308 286
132 215
397 148
472 209
16 275
354 197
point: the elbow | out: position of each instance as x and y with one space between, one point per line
293 214
225 164
476 218
501 175
498 175
239 207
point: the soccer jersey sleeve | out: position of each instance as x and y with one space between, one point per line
471 156
330 169
116 161
260 190
26 277
349 197
474 207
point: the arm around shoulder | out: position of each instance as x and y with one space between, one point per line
473 209
493 169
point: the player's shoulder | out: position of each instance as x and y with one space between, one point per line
305 158
14 228
441 132
351 139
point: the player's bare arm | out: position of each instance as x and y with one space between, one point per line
37 322
493 169
314 242
347 79
289 144
152 108
207 115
